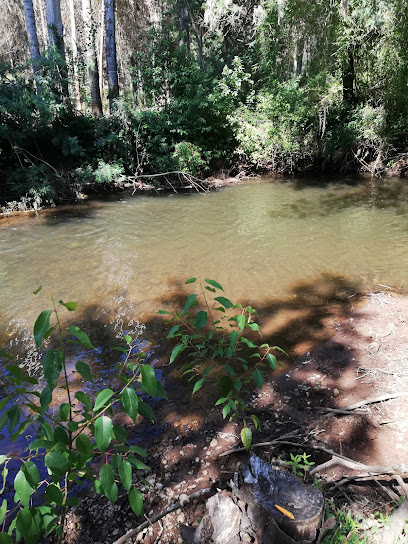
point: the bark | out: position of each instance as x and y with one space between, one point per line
90 55
184 31
74 49
32 33
111 64
56 39
348 78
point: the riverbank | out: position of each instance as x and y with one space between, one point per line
362 361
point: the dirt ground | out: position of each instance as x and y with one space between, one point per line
357 353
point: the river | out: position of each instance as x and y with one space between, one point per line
124 258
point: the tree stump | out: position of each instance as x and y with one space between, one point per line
249 513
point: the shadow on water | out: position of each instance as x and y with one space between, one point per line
298 323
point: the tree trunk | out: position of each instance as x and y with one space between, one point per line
111 65
56 40
32 33
184 32
74 49
90 55
348 78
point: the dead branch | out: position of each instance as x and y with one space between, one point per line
160 515
348 410
392 470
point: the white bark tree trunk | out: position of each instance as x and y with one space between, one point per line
32 32
74 49
90 55
56 39
111 64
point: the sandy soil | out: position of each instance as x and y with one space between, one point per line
356 352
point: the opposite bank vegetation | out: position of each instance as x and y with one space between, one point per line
169 96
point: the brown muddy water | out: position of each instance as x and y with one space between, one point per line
296 250
120 259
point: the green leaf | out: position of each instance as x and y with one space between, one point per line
137 463
220 401
173 330
198 385
190 280
41 326
84 398
52 366
140 451
70 306
13 414
61 435
130 402
84 446
3 512
23 490
272 361
224 301
5 538
241 321
102 399
233 338
41 444
107 478
81 336
5 355
163 312
189 302
211 289
31 473
200 320
214 284
103 433
256 421
64 411
149 379
225 385
145 410
246 437
258 378
119 433
57 463
136 501
226 410
254 326
46 398
248 342
127 339
176 351
125 473
229 370
37 290
206 371
54 494
21 429
2 459
83 369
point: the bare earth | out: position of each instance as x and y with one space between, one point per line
359 354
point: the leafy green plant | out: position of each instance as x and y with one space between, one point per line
78 440
300 464
219 350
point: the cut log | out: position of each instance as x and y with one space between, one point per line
269 507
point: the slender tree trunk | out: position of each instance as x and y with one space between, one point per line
198 34
56 39
111 64
91 61
349 77
100 60
74 49
44 34
32 33
184 32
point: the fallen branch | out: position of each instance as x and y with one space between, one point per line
160 515
349 409
391 470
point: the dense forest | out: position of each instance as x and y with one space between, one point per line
97 93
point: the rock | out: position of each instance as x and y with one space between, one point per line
336 392
213 443
183 499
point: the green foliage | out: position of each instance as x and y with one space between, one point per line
300 464
188 158
79 443
219 350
